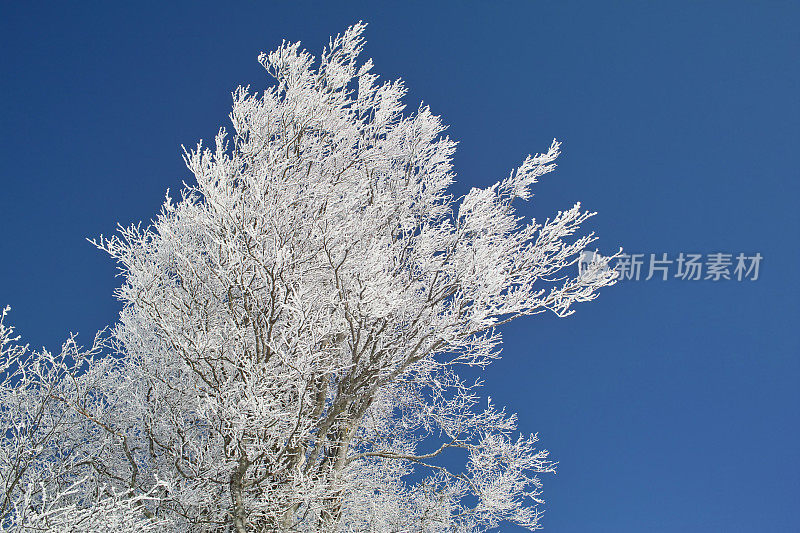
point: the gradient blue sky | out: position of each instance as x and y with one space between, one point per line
671 406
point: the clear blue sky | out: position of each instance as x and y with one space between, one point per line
671 405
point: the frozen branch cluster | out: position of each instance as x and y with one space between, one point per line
287 354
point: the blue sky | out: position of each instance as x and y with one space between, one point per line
671 405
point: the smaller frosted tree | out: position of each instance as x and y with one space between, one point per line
293 325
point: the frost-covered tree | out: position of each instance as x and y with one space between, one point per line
286 358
